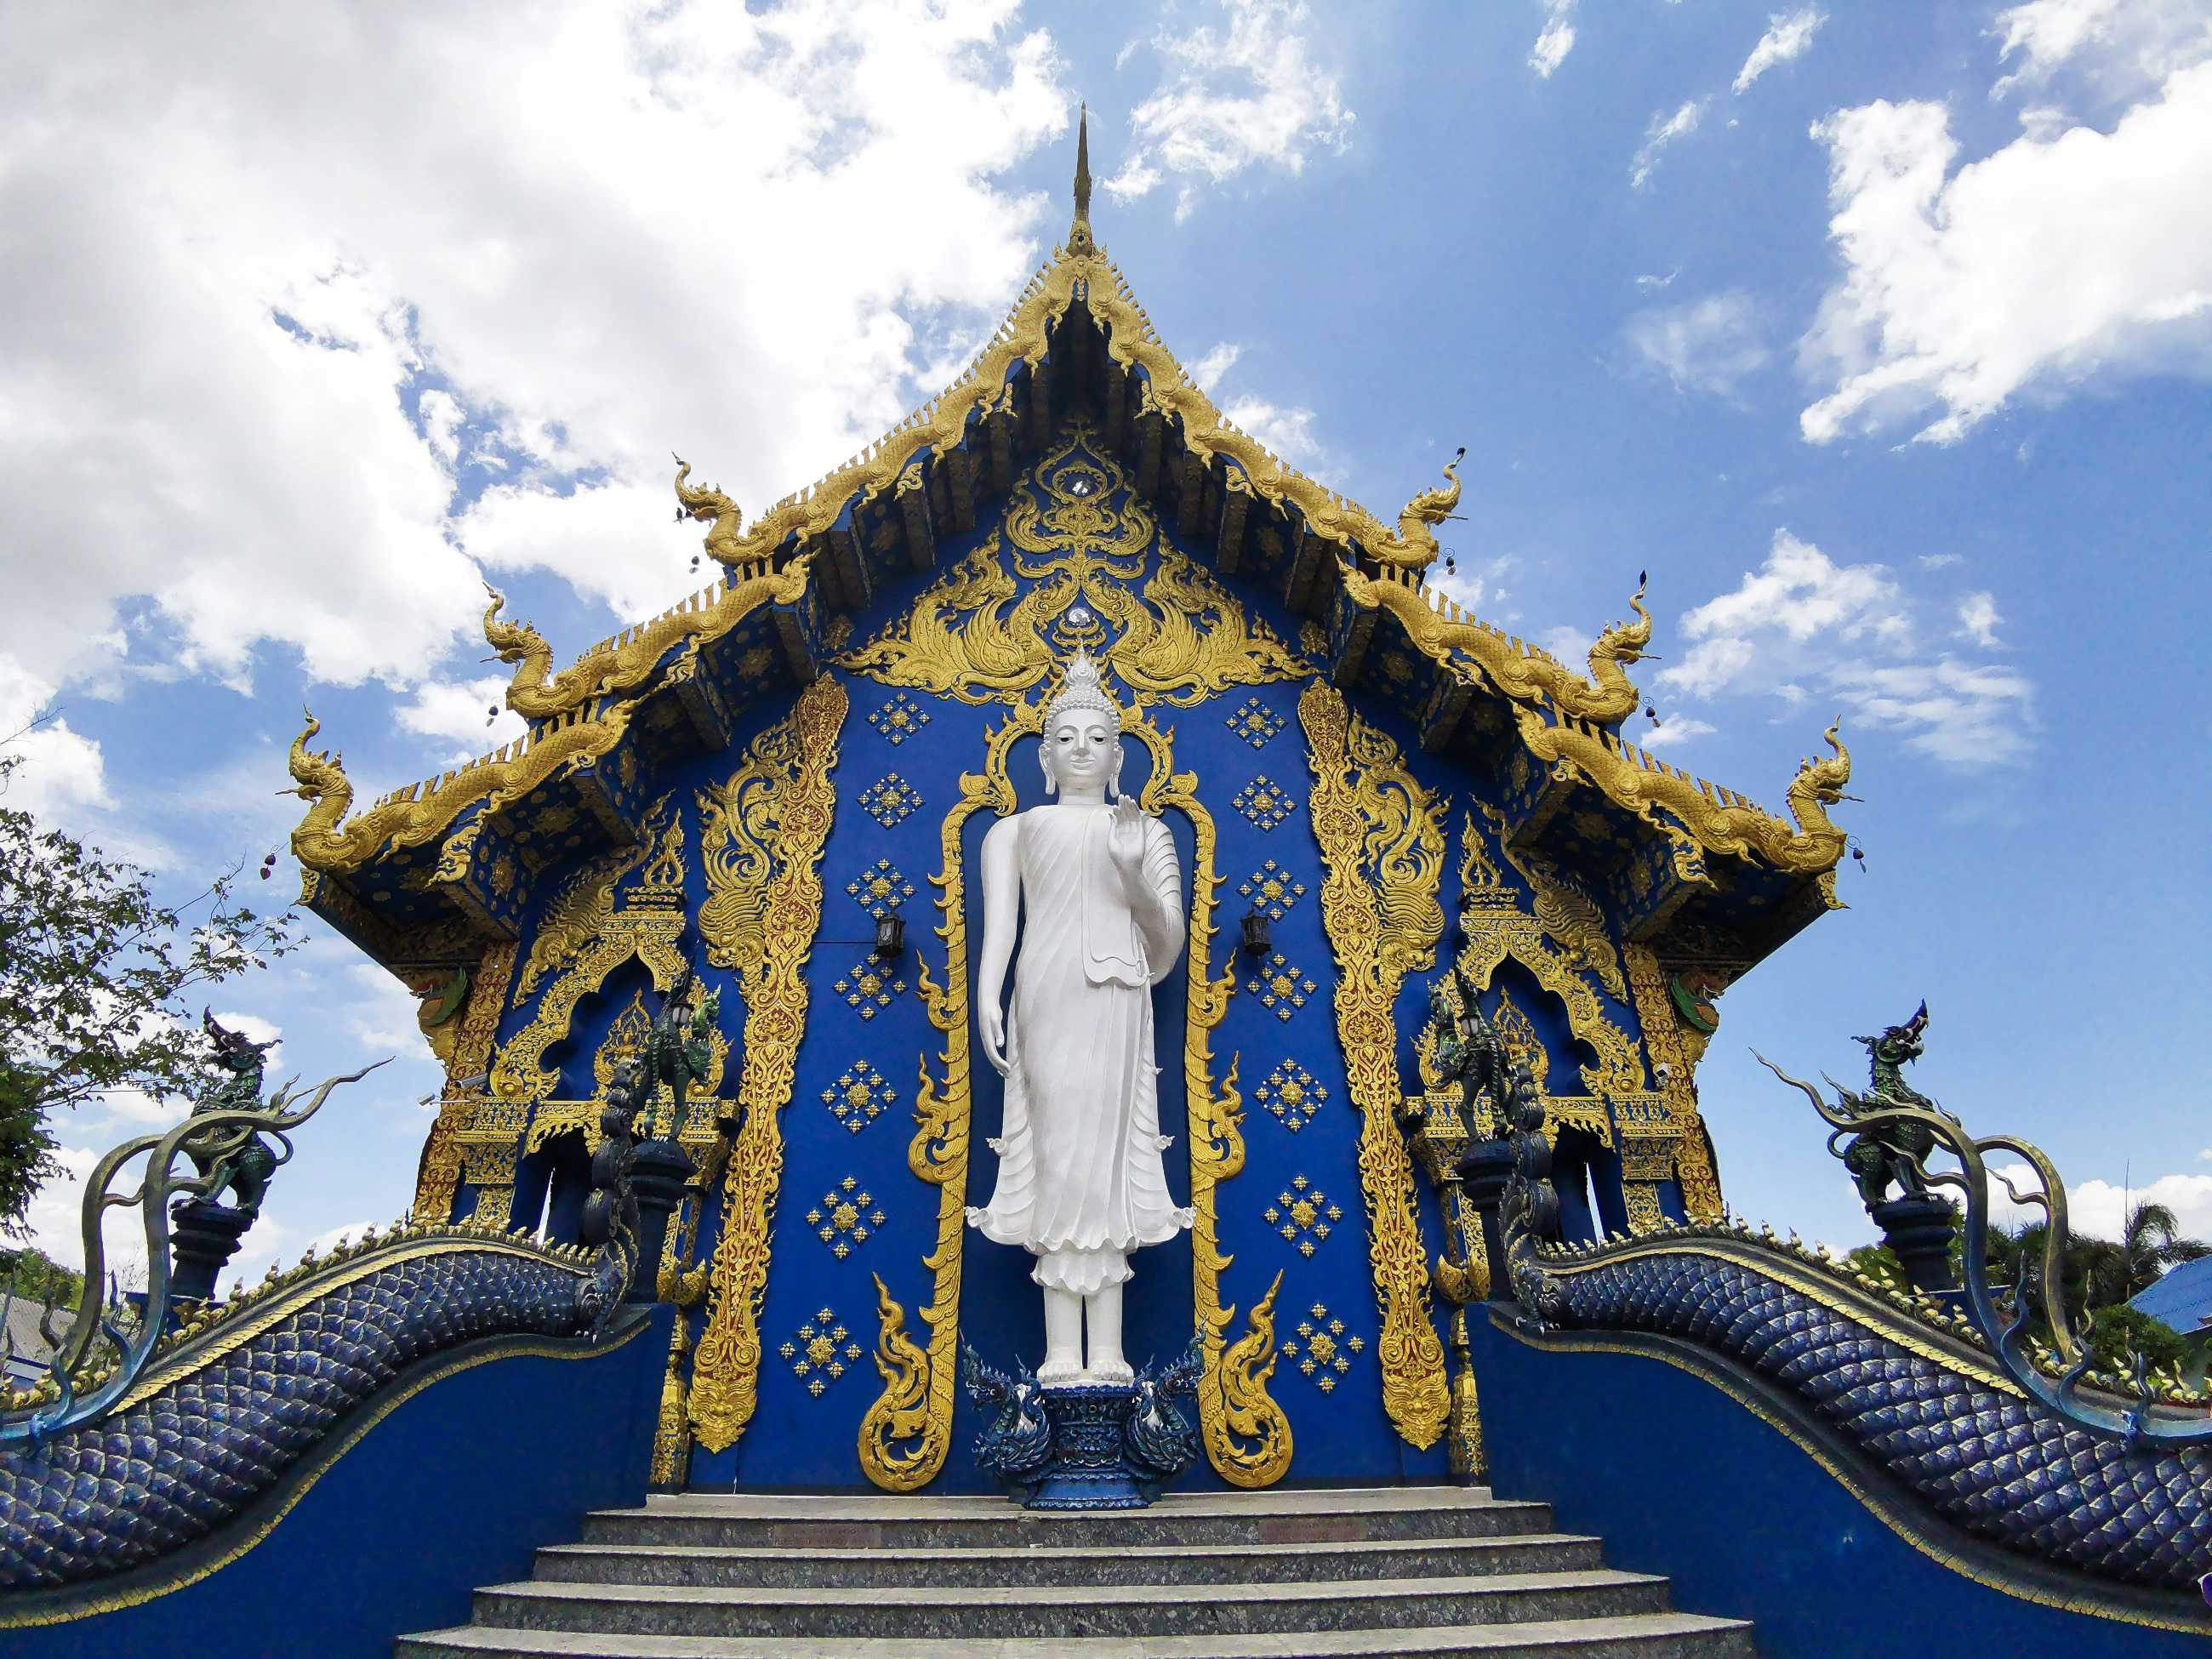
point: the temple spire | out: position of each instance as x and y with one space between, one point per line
1078 233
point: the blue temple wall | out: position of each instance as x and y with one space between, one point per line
1748 1525
847 1128
458 1486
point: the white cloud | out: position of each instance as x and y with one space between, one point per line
1471 586
2097 1209
1208 370
441 415
54 1220
1556 41
1568 644
1788 35
2063 255
1669 732
1707 345
1287 430
61 768
460 711
230 257
2121 47
1232 98
139 1110
383 1011
1978 619
1938 561
1664 131
1649 283
1803 624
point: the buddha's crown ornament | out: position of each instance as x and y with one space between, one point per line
1082 693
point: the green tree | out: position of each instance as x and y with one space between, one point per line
96 975
35 1276
2119 1332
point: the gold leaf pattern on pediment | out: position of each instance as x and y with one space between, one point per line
1180 637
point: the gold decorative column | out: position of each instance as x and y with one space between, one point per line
1382 846
762 839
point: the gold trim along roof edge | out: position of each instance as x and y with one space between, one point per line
579 714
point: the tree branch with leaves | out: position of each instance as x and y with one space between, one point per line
97 974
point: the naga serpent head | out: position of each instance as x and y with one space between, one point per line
234 1050
1899 1045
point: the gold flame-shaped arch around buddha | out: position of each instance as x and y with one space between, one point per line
906 1433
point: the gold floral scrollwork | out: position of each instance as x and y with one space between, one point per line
761 836
1382 846
907 1431
967 636
1246 1435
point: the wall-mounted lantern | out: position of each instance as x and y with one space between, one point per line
890 934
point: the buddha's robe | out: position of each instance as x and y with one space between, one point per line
1081 1183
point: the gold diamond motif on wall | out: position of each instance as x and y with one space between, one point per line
858 1097
1281 988
1321 1350
820 1351
1265 802
1289 1092
879 889
846 1217
890 799
1271 891
868 987
900 718
1302 1215
1255 722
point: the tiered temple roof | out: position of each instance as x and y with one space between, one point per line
428 873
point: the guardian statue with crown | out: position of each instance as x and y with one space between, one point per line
1093 882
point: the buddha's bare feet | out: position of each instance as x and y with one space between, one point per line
1059 1373
1109 1373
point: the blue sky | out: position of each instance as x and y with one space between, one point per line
1878 336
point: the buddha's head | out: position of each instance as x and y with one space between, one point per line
1082 750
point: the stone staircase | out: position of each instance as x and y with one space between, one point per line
1429 1570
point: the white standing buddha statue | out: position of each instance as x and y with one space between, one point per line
1094 883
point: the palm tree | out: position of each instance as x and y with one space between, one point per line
2150 1243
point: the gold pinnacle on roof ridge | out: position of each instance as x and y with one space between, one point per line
1078 233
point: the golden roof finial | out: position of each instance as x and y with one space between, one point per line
1078 233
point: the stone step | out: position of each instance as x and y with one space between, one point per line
1638 1636
1301 1515
920 1614
1049 1564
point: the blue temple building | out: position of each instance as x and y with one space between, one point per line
1395 821
762 778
